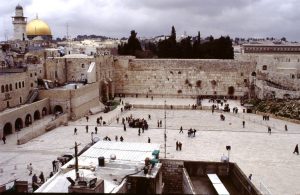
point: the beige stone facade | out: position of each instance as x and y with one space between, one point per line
182 78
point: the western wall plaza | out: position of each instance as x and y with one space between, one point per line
182 114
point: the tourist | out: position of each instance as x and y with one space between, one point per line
149 140
116 138
34 183
124 127
30 168
176 145
139 132
180 146
87 128
296 150
117 119
42 178
285 127
158 124
121 138
121 109
149 117
87 118
123 120
4 139
75 131
104 123
98 121
194 132
51 174
54 166
96 130
269 130
250 176
181 130
243 124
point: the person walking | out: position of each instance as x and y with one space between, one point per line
75 131
34 183
181 130
176 145
149 116
87 118
30 168
124 127
158 124
87 128
149 140
139 132
42 178
285 127
121 138
4 139
96 130
269 130
116 138
296 150
243 124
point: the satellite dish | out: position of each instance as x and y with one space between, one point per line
96 139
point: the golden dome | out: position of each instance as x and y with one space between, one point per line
38 27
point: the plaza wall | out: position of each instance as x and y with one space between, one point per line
76 102
176 77
10 117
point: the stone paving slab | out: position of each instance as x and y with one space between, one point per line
268 157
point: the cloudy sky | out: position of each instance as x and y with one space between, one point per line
115 18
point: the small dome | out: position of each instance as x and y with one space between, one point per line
19 6
38 27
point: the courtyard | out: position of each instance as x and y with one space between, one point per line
269 158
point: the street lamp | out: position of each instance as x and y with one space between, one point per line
92 137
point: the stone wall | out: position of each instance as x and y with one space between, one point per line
76 102
187 77
63 119
172 176
10 117
187 183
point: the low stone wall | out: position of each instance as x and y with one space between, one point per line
188 187
168 107
63 119
172 176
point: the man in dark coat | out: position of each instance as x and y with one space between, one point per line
296 150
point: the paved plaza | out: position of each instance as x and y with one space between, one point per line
269 158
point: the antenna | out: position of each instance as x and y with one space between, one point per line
165 129
67 31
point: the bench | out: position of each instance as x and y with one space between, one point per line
218 185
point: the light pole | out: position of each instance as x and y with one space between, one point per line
165 130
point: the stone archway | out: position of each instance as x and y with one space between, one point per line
231 91
7 129
44 112
18 124
37 115
58 109
28 120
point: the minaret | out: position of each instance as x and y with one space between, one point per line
19 23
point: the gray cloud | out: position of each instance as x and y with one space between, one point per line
115 18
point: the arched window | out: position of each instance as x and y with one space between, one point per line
2 88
